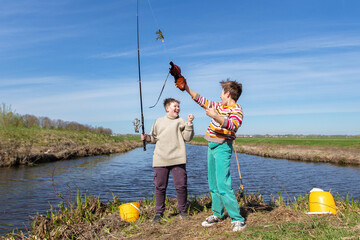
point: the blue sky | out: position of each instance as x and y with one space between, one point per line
298 61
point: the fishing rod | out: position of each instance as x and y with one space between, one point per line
138 50
241 182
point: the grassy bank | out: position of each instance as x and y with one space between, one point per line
88 218
26 146
332 149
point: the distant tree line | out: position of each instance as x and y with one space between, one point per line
9 118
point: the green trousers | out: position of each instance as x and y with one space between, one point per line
222 194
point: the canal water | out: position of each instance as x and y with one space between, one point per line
26 191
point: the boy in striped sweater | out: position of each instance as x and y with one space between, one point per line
226 119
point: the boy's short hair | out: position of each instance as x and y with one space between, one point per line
233 87
168 101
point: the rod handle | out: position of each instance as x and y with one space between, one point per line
144 145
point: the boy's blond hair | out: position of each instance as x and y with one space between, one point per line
168 101
233 87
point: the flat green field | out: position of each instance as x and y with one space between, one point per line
330 141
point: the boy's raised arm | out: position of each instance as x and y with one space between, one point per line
190 91
180 81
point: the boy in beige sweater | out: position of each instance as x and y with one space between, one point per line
169 133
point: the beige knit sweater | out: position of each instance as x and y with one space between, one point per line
169 135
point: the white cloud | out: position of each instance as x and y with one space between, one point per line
160 49
298 45
29 81
131 53
305 108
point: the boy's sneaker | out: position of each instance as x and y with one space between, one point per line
157 218
238 226
184 215
211 220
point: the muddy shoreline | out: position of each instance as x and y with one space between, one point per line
322 154
35 155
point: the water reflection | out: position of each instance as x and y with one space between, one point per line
26 191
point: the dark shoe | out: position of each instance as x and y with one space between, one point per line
157 218
184 215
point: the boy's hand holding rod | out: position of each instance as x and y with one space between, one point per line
145 137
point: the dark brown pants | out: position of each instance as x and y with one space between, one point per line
161 178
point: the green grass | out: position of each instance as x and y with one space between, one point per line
330 141
199 139
333 141
43 137
128 137
315 229
311 227
17 143
52 137
87 211
342 226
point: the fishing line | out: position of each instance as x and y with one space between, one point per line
161 91
158 27
152 12
166 52
238 165
282 187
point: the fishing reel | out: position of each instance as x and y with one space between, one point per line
137 125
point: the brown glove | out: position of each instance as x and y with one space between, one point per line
180 81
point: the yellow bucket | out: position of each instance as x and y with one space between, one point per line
321 202
130 212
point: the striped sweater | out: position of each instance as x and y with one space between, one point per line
225 131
